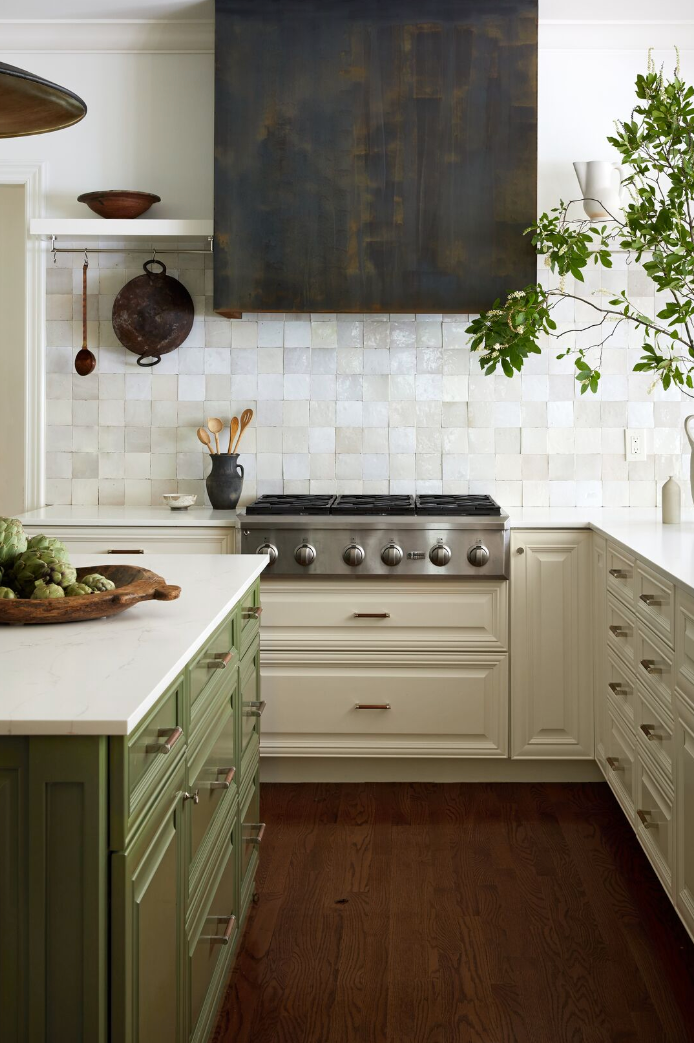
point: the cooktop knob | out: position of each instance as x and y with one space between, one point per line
478 555
305 554
270 549
353 555
391 554
440 555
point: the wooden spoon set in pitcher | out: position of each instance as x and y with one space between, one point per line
216 426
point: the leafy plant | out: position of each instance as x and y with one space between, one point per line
656 229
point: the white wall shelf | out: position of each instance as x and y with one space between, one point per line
100 228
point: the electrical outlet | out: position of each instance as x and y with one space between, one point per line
635 444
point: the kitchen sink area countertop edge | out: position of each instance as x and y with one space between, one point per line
101 677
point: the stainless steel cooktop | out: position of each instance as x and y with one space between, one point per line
389 535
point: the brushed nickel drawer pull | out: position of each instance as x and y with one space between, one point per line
194 796
254 709
619 631
618 688
650 599
255 612
650 731
372 706
224 783
371 615
221 939
221 660
165 747
113 551
619 573
650 667
614 763
645 821
258 828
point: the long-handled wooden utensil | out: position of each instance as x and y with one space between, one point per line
215 425
246 418
233 431
85 360
205 439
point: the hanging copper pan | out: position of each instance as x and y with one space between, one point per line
152 314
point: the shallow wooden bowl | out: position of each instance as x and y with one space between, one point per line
118 202
133 585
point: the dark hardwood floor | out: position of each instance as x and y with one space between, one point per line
421 913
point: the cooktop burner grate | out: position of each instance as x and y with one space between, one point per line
383 504
301 503
468 505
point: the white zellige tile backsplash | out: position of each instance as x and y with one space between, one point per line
345 403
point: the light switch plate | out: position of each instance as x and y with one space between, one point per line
635 443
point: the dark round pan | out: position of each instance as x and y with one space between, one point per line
152 314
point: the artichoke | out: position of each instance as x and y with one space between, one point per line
44 591
49 543
96 582
33 565
5 592
76 590
13 540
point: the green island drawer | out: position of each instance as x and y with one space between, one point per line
218 658
251 704
252 829
249 611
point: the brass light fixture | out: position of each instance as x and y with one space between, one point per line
31 105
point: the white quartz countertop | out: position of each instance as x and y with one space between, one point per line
101 677
669 548
55 517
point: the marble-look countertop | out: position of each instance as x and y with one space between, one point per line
55 517
101 677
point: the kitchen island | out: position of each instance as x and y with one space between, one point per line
129 809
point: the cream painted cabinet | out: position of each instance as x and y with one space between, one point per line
599 650
145 539
684 811
551 644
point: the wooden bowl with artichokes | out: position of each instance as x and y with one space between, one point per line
39 585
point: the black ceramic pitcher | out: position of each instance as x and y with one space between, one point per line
225 481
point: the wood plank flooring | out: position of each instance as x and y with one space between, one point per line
457 913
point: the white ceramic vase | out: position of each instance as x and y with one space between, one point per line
601 183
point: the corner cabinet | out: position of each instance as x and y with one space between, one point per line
127 863
551 644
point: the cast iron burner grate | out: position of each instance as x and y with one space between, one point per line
383 504
301 503
462 505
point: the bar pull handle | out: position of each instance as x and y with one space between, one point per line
113 550
650 666
614 763
650 731
254 709
619 631
650 599
258 828
371 615
221 660
645 820
255 612
619 573
372 706
224 783
165 747
221 939
618 688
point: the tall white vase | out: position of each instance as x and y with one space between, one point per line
690 436
601 184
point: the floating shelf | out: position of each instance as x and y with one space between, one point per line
100 228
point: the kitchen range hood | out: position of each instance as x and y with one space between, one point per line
373 157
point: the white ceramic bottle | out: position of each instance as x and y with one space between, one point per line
672 502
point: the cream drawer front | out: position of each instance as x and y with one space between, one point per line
390 614
654 824
654 666
621 685
654 731
621 625
684 645
438 707
621 762
620 573
655 602
145 540
684 790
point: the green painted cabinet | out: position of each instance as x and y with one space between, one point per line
127 862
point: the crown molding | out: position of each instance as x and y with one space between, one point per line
107 36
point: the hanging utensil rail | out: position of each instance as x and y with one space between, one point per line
128 249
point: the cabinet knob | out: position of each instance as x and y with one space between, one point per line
520 550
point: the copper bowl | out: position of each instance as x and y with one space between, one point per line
118 202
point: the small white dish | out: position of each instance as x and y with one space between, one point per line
179 501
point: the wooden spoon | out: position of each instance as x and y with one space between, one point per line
215 425
233 431
205 439
246 418
85 360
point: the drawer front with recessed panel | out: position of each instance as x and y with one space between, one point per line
654 665
620 760
216 661
654 730
684 645
620 630
655 601
620 573
654 823
621 685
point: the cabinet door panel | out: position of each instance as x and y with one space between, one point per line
551 645
599 650
684 804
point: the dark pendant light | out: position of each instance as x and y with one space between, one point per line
32 105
